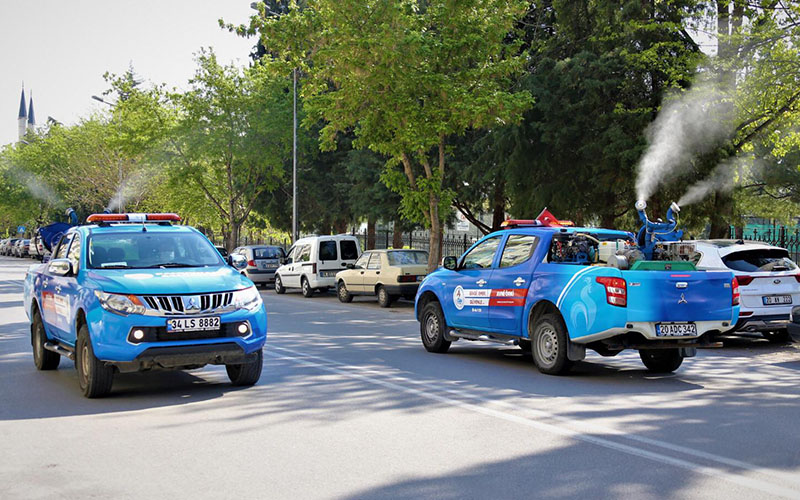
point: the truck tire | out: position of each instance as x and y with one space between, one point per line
432 327
549 345
94 377
776 336
384 299
279 289
246 374
661 360
42 358
343 293
305 286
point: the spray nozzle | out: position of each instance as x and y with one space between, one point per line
640 205
675 208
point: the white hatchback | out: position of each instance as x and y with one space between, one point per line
769 282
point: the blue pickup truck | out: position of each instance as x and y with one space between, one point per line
133 292
558 290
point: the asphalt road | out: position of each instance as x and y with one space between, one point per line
351 406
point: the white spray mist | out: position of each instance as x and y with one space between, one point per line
690 123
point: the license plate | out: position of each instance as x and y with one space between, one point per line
776 300
327 274
193 324
676 329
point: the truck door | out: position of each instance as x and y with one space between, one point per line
467 294
56 306
510 282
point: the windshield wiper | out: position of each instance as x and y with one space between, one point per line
173 264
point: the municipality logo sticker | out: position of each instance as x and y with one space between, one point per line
458 297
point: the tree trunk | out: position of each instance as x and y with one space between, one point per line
397 235
435 241
340 227
499 205
370 233
232 238
721 216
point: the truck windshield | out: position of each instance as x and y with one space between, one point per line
145 250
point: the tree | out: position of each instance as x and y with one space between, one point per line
405 77
230 137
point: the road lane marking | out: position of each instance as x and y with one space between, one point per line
368 375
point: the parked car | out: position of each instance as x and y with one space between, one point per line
3 245
8 246
119 299
769 283
262 262
313 262
21 248
387 274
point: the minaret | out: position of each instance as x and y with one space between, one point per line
23 114
31 119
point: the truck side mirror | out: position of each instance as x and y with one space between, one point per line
450 263
60 267
237 261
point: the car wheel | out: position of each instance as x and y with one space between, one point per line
42 358
279 289
94 377
384 299
432 329
344 295
305 286
245 374
661 360
549 345
776 336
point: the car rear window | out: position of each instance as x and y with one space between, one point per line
268 253
407 258
760 260
327 250
349 249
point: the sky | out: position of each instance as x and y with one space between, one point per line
61 49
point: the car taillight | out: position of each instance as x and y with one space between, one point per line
797 277
314 268
744 280
735 289
407 278
616 290
251 263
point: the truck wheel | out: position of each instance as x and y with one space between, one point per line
661 360
42 358
305 286
549 345
94 377
384 299
246 373
344 294
776 336
432 328
279 289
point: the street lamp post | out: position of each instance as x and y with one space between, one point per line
294 157
119 163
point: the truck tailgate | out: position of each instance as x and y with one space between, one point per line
666 296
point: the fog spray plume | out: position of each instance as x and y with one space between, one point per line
37 187
133 187
689 124
722 179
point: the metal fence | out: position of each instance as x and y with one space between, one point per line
781 236
419 240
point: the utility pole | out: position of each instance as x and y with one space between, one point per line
294 158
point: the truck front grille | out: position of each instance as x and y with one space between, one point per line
188 304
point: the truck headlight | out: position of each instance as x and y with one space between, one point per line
249 298
119 303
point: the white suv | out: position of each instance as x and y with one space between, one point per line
313 261
769 282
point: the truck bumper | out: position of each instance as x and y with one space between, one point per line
648 331
183 356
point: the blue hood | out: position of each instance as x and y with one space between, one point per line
171 281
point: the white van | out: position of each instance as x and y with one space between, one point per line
313 261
